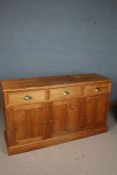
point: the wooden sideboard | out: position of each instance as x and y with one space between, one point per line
44 111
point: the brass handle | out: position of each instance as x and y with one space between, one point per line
66 93
98 90
27 97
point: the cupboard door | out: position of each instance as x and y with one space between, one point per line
66 117
102 110
88 113
94 111
27 124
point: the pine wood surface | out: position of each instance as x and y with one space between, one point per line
57 81
43 111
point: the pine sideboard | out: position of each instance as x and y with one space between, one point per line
44 111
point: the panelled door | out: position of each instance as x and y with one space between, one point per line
27 123
94 111
65 117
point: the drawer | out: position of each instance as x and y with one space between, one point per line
26 97
65 93
97 89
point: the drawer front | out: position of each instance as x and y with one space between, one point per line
97 89
65 93
26 97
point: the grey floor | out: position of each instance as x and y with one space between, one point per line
96 155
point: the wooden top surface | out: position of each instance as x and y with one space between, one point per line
56 81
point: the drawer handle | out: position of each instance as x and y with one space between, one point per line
27 97
66 93
98 90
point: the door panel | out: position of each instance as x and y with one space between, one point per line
94 111
90 112
102 110
74 114
27 125
66 117
59 118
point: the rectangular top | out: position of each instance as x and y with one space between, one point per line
55 81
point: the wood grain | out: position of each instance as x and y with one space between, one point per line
44 111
